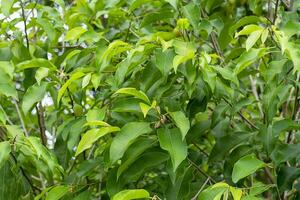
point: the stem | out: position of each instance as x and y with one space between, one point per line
200 170
25 25
41 121
20 117
201 189
276 11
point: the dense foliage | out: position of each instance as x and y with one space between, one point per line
149 99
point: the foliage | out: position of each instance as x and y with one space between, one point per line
161 99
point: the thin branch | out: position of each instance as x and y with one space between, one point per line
201 171
200 149
41 121
33 188
25 25
255 94
242 116
276 11
20 117
201 189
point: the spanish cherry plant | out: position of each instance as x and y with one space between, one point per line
149 99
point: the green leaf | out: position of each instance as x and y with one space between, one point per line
6 85
245 166
34 94
86 80
252 39
171 141
35 63
286 176
131 194
181 121
57 192
192 12
173 3
133 153
4 152
124 139
214 192
247 58
6 6
73 77
285 152
163 61
145 108
247 30
74 33
236 193
134 92
41 73
92 136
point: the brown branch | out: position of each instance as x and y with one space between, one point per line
276 11
41 121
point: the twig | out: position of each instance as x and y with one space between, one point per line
20 117
276 11
201 171
25 25
33 188
201 189
200 149
41 121
242 116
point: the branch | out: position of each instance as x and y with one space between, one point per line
25 25
276 11
242 116
20 117
41 121
200 170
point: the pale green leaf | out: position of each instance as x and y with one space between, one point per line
134 92
4 152
247 30
131 194
236 193
145 109
86 80
62 90
92 136
246 166
252 39
124 139
41 73
74 33
35 63
6 6
7 86
34 94
171 141
181 121
57 192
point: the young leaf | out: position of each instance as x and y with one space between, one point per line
57 192
171 141
74 33
131 194
245 166
251 40
134 92
92 136
4 152
41 73
124 139
181 121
